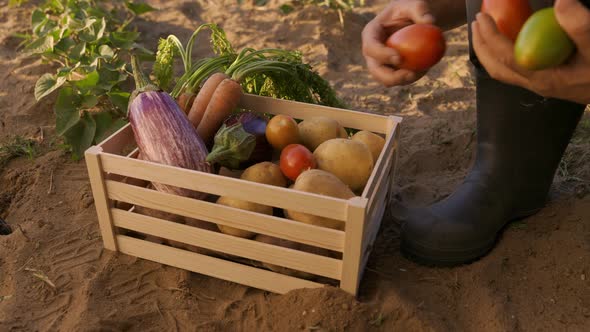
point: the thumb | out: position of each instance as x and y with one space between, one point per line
574 18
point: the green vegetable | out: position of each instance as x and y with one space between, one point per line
542 43
233 145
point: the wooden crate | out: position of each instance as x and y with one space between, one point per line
114 160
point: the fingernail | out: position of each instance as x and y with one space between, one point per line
428 18
394 60
478 16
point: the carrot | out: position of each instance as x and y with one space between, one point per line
197 110
185 101
223 101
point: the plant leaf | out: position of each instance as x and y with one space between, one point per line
106 52
88 82
124 39
89 101
65 44
66 110
78 51
41 45
139 8
37 18
106 125
46 84
120 99
81 136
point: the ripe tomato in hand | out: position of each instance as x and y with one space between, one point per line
509 15
420 46
296 158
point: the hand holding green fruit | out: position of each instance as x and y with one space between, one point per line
569 80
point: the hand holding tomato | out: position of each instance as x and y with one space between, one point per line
383 61
569 81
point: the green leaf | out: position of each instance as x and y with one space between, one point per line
46 84
89 101
81 136
124 39
108 79
37 18
65 44
66 110
120 99
139 8
78 51
41 45
106 125
88 82
93 32
286 9
106 52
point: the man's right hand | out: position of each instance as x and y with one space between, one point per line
382 60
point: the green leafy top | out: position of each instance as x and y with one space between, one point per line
90 45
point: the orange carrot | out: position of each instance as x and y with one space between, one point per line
197 110
185 101
223 101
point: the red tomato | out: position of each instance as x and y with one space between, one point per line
296 158
420 46
509 15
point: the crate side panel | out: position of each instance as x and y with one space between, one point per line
298 260
382 162
258 223
347 118
284 198
214 267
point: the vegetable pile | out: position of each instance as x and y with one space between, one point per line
193 121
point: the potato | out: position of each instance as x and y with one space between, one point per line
350 160
322 183
244 205
314 131
373 141
265 172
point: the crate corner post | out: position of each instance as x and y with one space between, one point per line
353 245
97 183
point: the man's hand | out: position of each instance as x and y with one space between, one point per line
569 81
381 60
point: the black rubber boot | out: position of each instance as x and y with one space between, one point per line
521 138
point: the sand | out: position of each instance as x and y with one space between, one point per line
56 276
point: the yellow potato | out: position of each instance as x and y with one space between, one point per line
322 183
373 141
265 172
244 205
314 131
350 160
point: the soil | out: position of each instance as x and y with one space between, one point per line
55 274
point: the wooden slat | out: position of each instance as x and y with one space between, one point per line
353 248
97 183
294 259
284 198
383 185
214 267
382 162
118 140
347 118
374 220
255 222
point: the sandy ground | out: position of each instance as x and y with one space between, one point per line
537 279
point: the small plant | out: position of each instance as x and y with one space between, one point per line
16 147
91 44
339 5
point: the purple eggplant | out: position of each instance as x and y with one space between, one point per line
163 132
241 141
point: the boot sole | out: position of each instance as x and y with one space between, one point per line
437 257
